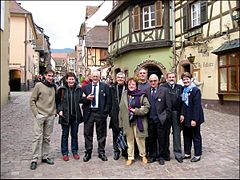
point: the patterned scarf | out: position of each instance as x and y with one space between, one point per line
186 91
136 94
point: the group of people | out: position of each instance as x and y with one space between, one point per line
144 110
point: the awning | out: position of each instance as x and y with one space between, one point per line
228 46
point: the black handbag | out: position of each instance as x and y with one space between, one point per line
121 141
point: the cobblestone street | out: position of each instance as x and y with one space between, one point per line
220 159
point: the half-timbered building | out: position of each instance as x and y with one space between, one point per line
140 36
207 45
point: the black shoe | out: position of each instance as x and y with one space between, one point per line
161 162
151 160
167 159
48 161
195 159
33 165
180 160
116 156
87 157
103 157
187 156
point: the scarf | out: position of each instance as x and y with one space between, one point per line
186 91
48 84
136 94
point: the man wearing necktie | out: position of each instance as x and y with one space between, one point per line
175 91
157 117
95 111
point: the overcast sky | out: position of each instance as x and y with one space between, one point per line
60 20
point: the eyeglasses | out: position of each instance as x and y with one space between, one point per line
153 81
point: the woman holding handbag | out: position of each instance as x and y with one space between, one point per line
134 123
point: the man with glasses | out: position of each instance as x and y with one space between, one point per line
157 120
175 91
95 111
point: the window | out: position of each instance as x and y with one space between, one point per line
2 14
148 13
151 16
113 31
194 14
228 65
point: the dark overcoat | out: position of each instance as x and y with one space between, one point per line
163 103
194 110
63 103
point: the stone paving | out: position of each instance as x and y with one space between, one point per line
220 158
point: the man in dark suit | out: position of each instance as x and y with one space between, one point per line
175 92
116 93
95 110
158 115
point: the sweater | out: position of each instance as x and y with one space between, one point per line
42 100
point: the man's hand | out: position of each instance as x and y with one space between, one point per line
181 118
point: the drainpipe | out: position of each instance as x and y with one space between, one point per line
25 66
173 36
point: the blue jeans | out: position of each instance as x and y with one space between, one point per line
73 125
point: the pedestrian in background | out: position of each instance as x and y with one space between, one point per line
157 120
192 117
133 110
95 111
70 115
86 81
43 106
175 92
116 90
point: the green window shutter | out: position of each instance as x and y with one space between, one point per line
158 13
136 18
185 18
204 11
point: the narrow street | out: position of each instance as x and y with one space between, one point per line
220 158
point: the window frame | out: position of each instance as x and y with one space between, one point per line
227 67
149 14
198 14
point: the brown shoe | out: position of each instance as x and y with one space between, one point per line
144 160
129 162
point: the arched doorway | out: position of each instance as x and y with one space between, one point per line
15 80
154 70
153 67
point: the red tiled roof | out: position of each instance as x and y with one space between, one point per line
15 7
97 37
90 10
59 55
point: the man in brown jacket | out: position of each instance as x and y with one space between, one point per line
43 107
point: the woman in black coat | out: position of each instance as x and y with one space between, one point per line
70 116
192 117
